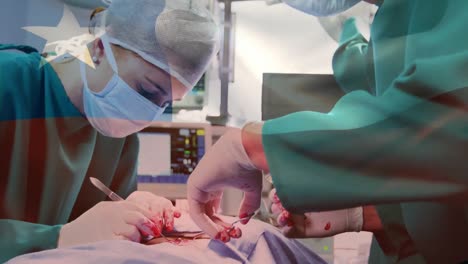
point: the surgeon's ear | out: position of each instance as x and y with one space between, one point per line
97 51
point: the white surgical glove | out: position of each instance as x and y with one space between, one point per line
316 224
108 221
225 165
161 209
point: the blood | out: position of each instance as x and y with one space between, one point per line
327 226
235 233
276 199
156 231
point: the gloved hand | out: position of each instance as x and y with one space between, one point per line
141 214
225 165
108 221
316 224
161 209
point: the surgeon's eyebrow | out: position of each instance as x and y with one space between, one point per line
157 86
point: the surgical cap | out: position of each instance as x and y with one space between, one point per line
178 36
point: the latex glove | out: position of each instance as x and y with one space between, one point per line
161 209
225 165
108 221
316 224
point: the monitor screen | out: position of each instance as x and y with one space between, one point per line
169 154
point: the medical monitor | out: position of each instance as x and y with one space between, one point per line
169 152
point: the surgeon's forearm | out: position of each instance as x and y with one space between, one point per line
252 142
372 222
391 238
18 237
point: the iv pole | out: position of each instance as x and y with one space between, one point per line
223 117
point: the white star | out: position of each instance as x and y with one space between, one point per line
67 39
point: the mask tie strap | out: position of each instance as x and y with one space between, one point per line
109 54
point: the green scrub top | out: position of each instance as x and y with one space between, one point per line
353 70
49 150
397 140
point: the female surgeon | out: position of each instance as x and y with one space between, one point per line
63 122
389 158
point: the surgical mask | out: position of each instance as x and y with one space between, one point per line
322 7
118 110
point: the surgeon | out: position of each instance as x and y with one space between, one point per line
65 121
389 158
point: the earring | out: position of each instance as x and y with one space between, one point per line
95 59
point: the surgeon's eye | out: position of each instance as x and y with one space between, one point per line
152 95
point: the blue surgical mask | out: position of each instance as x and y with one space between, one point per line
322 7
118 110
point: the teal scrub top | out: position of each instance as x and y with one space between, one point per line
397 140
353 70
49 150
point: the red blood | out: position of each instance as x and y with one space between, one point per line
276 199
327 226
156 231
243 215
222 236
225 237
235 233
282 220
